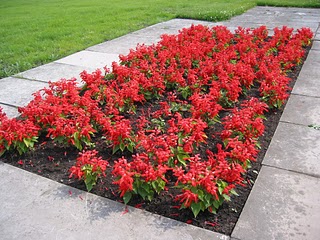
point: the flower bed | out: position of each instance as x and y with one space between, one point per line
175 117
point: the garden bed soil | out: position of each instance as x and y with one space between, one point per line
53 162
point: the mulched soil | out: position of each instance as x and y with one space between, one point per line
52 161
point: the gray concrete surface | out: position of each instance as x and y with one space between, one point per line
308 80
284 203
49 210
90 59
53 72
295 148
302 109
17 91
11 111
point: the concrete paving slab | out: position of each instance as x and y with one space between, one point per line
54 72
148 36
90 59
314 58
277 17
308 80
61 212
19 189
282 205
280 17
271 25
10 111
316 45
18 91
173 27
295 148
179 23
122 45
302 110
317 35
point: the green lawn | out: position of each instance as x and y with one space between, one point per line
35 32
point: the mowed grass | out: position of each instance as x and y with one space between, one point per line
35 32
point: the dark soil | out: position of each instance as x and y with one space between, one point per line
53 161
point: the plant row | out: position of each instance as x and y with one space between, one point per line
164 104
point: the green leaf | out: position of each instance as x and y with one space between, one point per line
77 144
226 197
26 142
158 185
130 148
143 193
184 94
207 200
171 162
233 192
89 183
258 145
216 204
181 158
213 210
115 149
200 194
89 186
127 197
2 152
195 207
122 146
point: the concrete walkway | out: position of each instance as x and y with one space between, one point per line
284 202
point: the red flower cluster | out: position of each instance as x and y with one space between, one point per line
89 167
189 78
16 134
63 113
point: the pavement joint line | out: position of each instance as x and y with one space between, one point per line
296 124
316 176
304 95
28 79
9 105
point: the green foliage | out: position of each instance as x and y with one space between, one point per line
145 189
207 200
124 144
179 158
91 177
185 92
21 146
179 107
36 32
